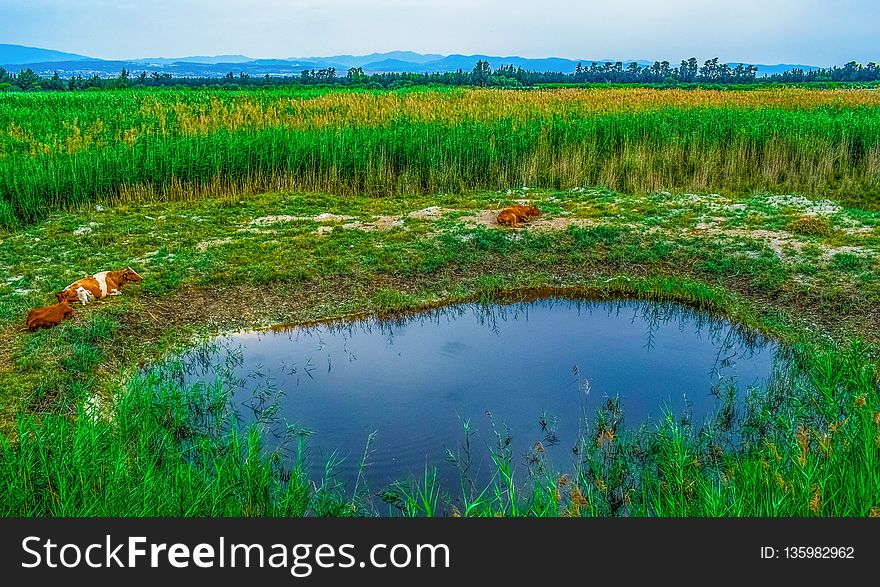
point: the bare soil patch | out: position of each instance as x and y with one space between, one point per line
281 218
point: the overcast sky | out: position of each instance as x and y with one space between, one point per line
813 32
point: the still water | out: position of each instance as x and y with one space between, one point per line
529 371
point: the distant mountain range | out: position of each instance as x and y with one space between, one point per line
15 54
410 58
207 59
46 62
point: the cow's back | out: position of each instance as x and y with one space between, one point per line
90 284
38 318
47 316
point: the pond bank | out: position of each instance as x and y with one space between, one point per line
653 246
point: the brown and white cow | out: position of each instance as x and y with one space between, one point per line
98 286
49 316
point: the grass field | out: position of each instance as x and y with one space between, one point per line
60 150
407 222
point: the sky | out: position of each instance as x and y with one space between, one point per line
810 32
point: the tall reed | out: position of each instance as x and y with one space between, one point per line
64 150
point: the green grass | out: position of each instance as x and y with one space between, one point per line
63 150
166 452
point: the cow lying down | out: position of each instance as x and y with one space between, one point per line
98 286
49 316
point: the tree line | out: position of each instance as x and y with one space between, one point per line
689 71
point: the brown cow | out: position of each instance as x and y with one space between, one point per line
515 214
98 286
49 316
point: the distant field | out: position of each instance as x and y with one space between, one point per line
64 149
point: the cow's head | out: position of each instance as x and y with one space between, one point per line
67 295
129 274
533 211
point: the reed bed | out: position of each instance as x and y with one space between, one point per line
63 150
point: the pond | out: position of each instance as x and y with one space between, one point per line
516 373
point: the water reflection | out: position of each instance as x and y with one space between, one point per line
384 398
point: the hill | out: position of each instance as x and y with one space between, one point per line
20 54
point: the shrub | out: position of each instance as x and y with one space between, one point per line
811 226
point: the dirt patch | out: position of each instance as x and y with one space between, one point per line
780 242
810 207
86 229
196 306
383 223
829 252
253 230
429 213
280 218
482 218
327 217
561 223
276 219
379 223
205 245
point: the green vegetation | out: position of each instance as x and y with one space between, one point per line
167 452
660 74
811 225
59 151
86 434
